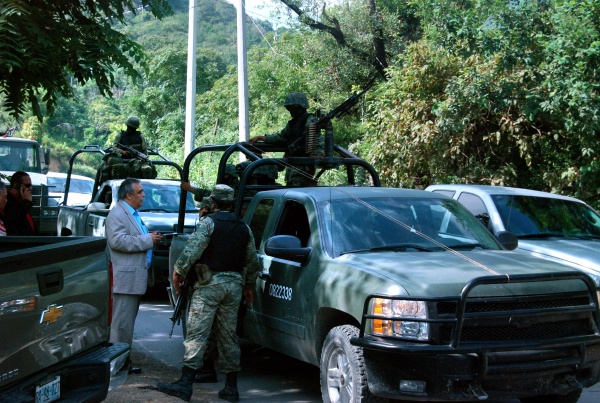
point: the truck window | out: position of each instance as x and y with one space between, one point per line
294 221
259 220
476 206
19 157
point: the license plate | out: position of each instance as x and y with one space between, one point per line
48 392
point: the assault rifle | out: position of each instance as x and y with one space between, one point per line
184 291
133 152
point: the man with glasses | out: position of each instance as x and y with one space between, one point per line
19 220
130 247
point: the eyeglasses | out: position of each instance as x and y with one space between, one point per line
27 185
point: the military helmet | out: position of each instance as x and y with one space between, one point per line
296 98
222 192
133 121
230 170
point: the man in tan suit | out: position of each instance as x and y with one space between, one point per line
130 247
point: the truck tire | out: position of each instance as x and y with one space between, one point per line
343 373
571 397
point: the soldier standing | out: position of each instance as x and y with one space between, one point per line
225 244
294 136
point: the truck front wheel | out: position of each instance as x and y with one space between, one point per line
343 373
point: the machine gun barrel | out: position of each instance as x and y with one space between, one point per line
345 106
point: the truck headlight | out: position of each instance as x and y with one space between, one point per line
394 319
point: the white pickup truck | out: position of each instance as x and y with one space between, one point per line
548 225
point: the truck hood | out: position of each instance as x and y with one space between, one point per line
166 222
431 274
580 253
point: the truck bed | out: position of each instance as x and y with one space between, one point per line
54 317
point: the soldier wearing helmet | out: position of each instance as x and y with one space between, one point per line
225 244
293 136
132 137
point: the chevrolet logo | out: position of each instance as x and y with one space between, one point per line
51 314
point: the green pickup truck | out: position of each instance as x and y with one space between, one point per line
403 294
55 314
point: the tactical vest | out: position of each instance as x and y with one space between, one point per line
226 250
133 140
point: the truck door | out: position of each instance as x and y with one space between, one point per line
280 302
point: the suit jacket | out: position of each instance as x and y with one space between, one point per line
127 245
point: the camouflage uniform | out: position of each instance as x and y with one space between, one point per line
217 301
294 137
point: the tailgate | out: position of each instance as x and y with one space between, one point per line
54 301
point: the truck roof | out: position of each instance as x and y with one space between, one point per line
324 193
18 139
500 190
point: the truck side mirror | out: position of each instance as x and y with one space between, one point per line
508 239
46 161
287 247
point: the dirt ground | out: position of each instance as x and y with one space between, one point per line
140 387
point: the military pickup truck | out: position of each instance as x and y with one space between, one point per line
159 212
55 317
403 294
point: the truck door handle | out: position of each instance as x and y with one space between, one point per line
264 275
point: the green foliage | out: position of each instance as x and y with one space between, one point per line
46 44
496 93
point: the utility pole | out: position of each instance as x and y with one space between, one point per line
242 73
190 92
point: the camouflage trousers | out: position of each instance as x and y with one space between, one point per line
218 302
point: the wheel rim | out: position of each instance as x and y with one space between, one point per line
339 377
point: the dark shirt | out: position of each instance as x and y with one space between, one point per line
17 218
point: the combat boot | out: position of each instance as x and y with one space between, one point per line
230 391
183 388
207 374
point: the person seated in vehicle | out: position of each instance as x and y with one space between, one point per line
12 161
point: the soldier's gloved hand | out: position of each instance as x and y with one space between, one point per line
257 138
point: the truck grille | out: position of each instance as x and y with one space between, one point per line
535 318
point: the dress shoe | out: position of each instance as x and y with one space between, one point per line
134 370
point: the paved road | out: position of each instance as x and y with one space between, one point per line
266 375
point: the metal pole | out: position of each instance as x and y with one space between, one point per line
242 73
190 93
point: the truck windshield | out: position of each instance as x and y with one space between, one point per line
19 156
165 198
400 224
531 217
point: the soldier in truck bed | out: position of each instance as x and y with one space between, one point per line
131 137
294 136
